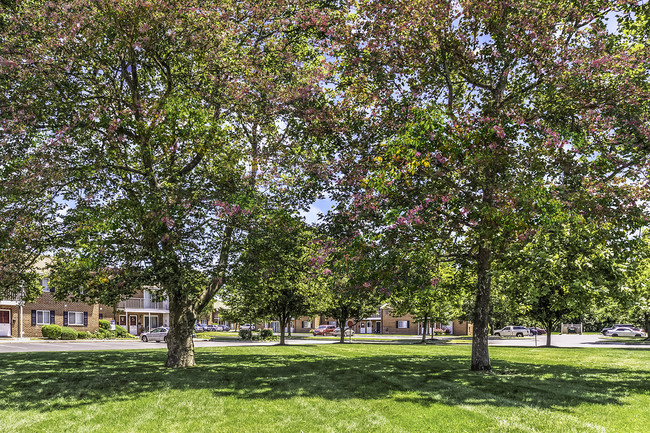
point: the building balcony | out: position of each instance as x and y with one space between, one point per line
144 305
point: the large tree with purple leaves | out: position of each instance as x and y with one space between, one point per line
475 111
167 124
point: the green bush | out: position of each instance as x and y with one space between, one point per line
51 332
121 332
266 333
82 335
103 333
245 334
104 324
68 333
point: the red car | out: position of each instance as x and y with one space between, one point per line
324 330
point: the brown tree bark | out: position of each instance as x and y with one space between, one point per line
480 351
180 345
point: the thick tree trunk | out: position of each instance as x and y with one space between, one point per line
480 352
180 345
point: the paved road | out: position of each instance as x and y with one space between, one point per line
63 346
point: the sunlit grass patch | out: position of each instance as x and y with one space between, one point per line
328 388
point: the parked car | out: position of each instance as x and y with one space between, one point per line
512 331
211 328
156 334
537 331
247 326
348 332
626 332
617 325
224 327
199 327
324 330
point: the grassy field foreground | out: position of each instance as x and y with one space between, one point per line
328 388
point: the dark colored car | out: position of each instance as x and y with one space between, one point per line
537 331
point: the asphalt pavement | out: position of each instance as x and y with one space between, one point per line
64 346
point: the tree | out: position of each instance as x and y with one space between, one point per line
483 109
166 123
563 269
430 291
274 278
347 261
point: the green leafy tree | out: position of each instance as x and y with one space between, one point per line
274 278
562 270
482 108
430 290
167 123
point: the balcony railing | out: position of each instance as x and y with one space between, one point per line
142 304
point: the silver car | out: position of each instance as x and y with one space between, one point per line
157 334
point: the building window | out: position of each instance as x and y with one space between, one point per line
45 282
402 324
42 317
75 318
306 324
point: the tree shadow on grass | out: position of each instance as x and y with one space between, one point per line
54 381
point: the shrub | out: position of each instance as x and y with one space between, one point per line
82 335
121 332
68 333
245 334
266 333
104 324
51 332
103 333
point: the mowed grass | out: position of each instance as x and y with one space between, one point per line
328 388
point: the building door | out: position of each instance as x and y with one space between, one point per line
133 325
377 327
362 328
5 323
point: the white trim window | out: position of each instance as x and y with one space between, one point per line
402 324
45 282
306 324
42 317
75 318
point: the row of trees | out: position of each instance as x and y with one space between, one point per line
151 142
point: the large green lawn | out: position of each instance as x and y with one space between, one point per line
328 388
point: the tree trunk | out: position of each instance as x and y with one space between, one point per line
180 345
480 352
549 326
283 324
424 330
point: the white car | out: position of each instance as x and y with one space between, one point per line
348 332
157 334
512 331
626 332
247 327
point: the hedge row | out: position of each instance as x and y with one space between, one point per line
56 332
